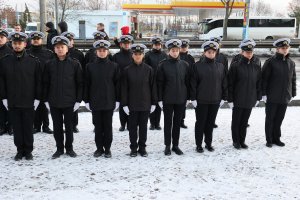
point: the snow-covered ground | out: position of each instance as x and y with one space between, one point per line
256 173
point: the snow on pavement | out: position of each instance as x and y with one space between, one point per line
256 173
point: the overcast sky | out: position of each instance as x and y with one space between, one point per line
278 5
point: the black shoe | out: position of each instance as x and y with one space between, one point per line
75 130
47 130
244 146
269 144
182 125
158 127
152 127
18 156
143 152
167 151
10 131
237 145
215 126
57 154
28 156
209 148
2 131
133 153
107 153
177 150
199 149
71 153
36 130
98 153
279 143
122 128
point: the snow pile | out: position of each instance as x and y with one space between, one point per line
256 173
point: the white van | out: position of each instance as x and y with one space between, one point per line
32 26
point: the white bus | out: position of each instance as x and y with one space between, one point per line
260 28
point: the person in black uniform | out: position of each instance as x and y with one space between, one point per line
20 87
90 55
239 56
5 122
153 58
244 92
184 55
123 58
220 58
78 55
173 87
63 90
208 92
41 119
279 88
138 98
101 95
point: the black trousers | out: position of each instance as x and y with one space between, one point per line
103 128
61 116
75 118
205 118
22 122
5 119
183 116
41 117
155 116
240 117
274 116
138 120
123 117
172 118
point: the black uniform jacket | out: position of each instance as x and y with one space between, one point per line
154 57
244 83
173 80
63 82
20 80
102 84
138 87
208 82
279 79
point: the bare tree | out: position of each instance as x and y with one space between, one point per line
7 13
294 8
228 4
95 4
65 5
261 8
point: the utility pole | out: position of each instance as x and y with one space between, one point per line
42 15
56 13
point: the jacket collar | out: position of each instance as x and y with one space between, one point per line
102 60
208 60
173 59
20 55
280 56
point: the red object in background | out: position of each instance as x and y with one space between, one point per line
125 30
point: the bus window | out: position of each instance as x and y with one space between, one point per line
235 23
212 25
